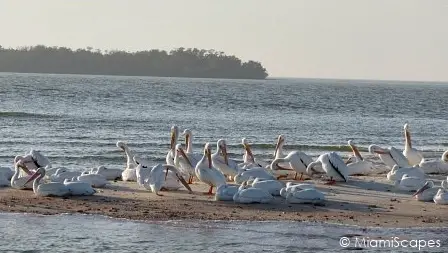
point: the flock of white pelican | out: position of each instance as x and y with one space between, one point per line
251 181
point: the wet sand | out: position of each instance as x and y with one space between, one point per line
364 201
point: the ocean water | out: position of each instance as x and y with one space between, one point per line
76 120
88 233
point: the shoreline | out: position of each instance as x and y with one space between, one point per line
364 201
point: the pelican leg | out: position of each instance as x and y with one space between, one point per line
295 176
301 176
282 176
209 191
331 181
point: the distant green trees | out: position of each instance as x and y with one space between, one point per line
180 62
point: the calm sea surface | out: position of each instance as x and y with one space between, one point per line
76 121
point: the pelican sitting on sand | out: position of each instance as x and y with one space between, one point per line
207 173
413 155
440 166
226 192
248 195
359 166
293 187
333 165
269 185
410 183
305 196
441 197
429 191
109 174
129 173
390 156
18 182
397 173
46 189
77 188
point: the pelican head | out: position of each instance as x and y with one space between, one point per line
122 145
174 134
280 141
187 133
248 149
375 149
406 127
180 151
429 184
355 149
208 154
222 146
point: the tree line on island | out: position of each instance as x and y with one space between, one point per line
180 62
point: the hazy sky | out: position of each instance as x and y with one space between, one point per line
377 39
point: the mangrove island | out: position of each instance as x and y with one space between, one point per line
180 62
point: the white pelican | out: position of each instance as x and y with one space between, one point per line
397 173
207 173
441 197
297 160
18 182
63 173
278 151
410 183
48 189
440 166
249 158
194 157
359 166
174 133
428 191
225 192
157 176
184 164
271 186
77 188
95 180
143 172
221 161
305 196
128 173
413 155
390 156
244 175
294 187
333 165
250 195
109 174
7 172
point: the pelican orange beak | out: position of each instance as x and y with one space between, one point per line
277 146
407 135
224 153
182 180
187 140
425 187
182 153
249 151
173 138
381 152
209 156
32 177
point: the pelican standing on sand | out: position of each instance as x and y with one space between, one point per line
174 133
158 175
129 173
333 165
221 160
207 173
194 157
297 160
413 155
48 189
249 158
183 163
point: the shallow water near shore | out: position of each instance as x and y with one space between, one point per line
91 233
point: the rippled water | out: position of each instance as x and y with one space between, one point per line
86 233
76 120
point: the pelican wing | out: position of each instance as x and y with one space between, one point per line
398 157
338 164
40 159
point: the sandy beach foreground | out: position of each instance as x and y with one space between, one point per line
364 201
